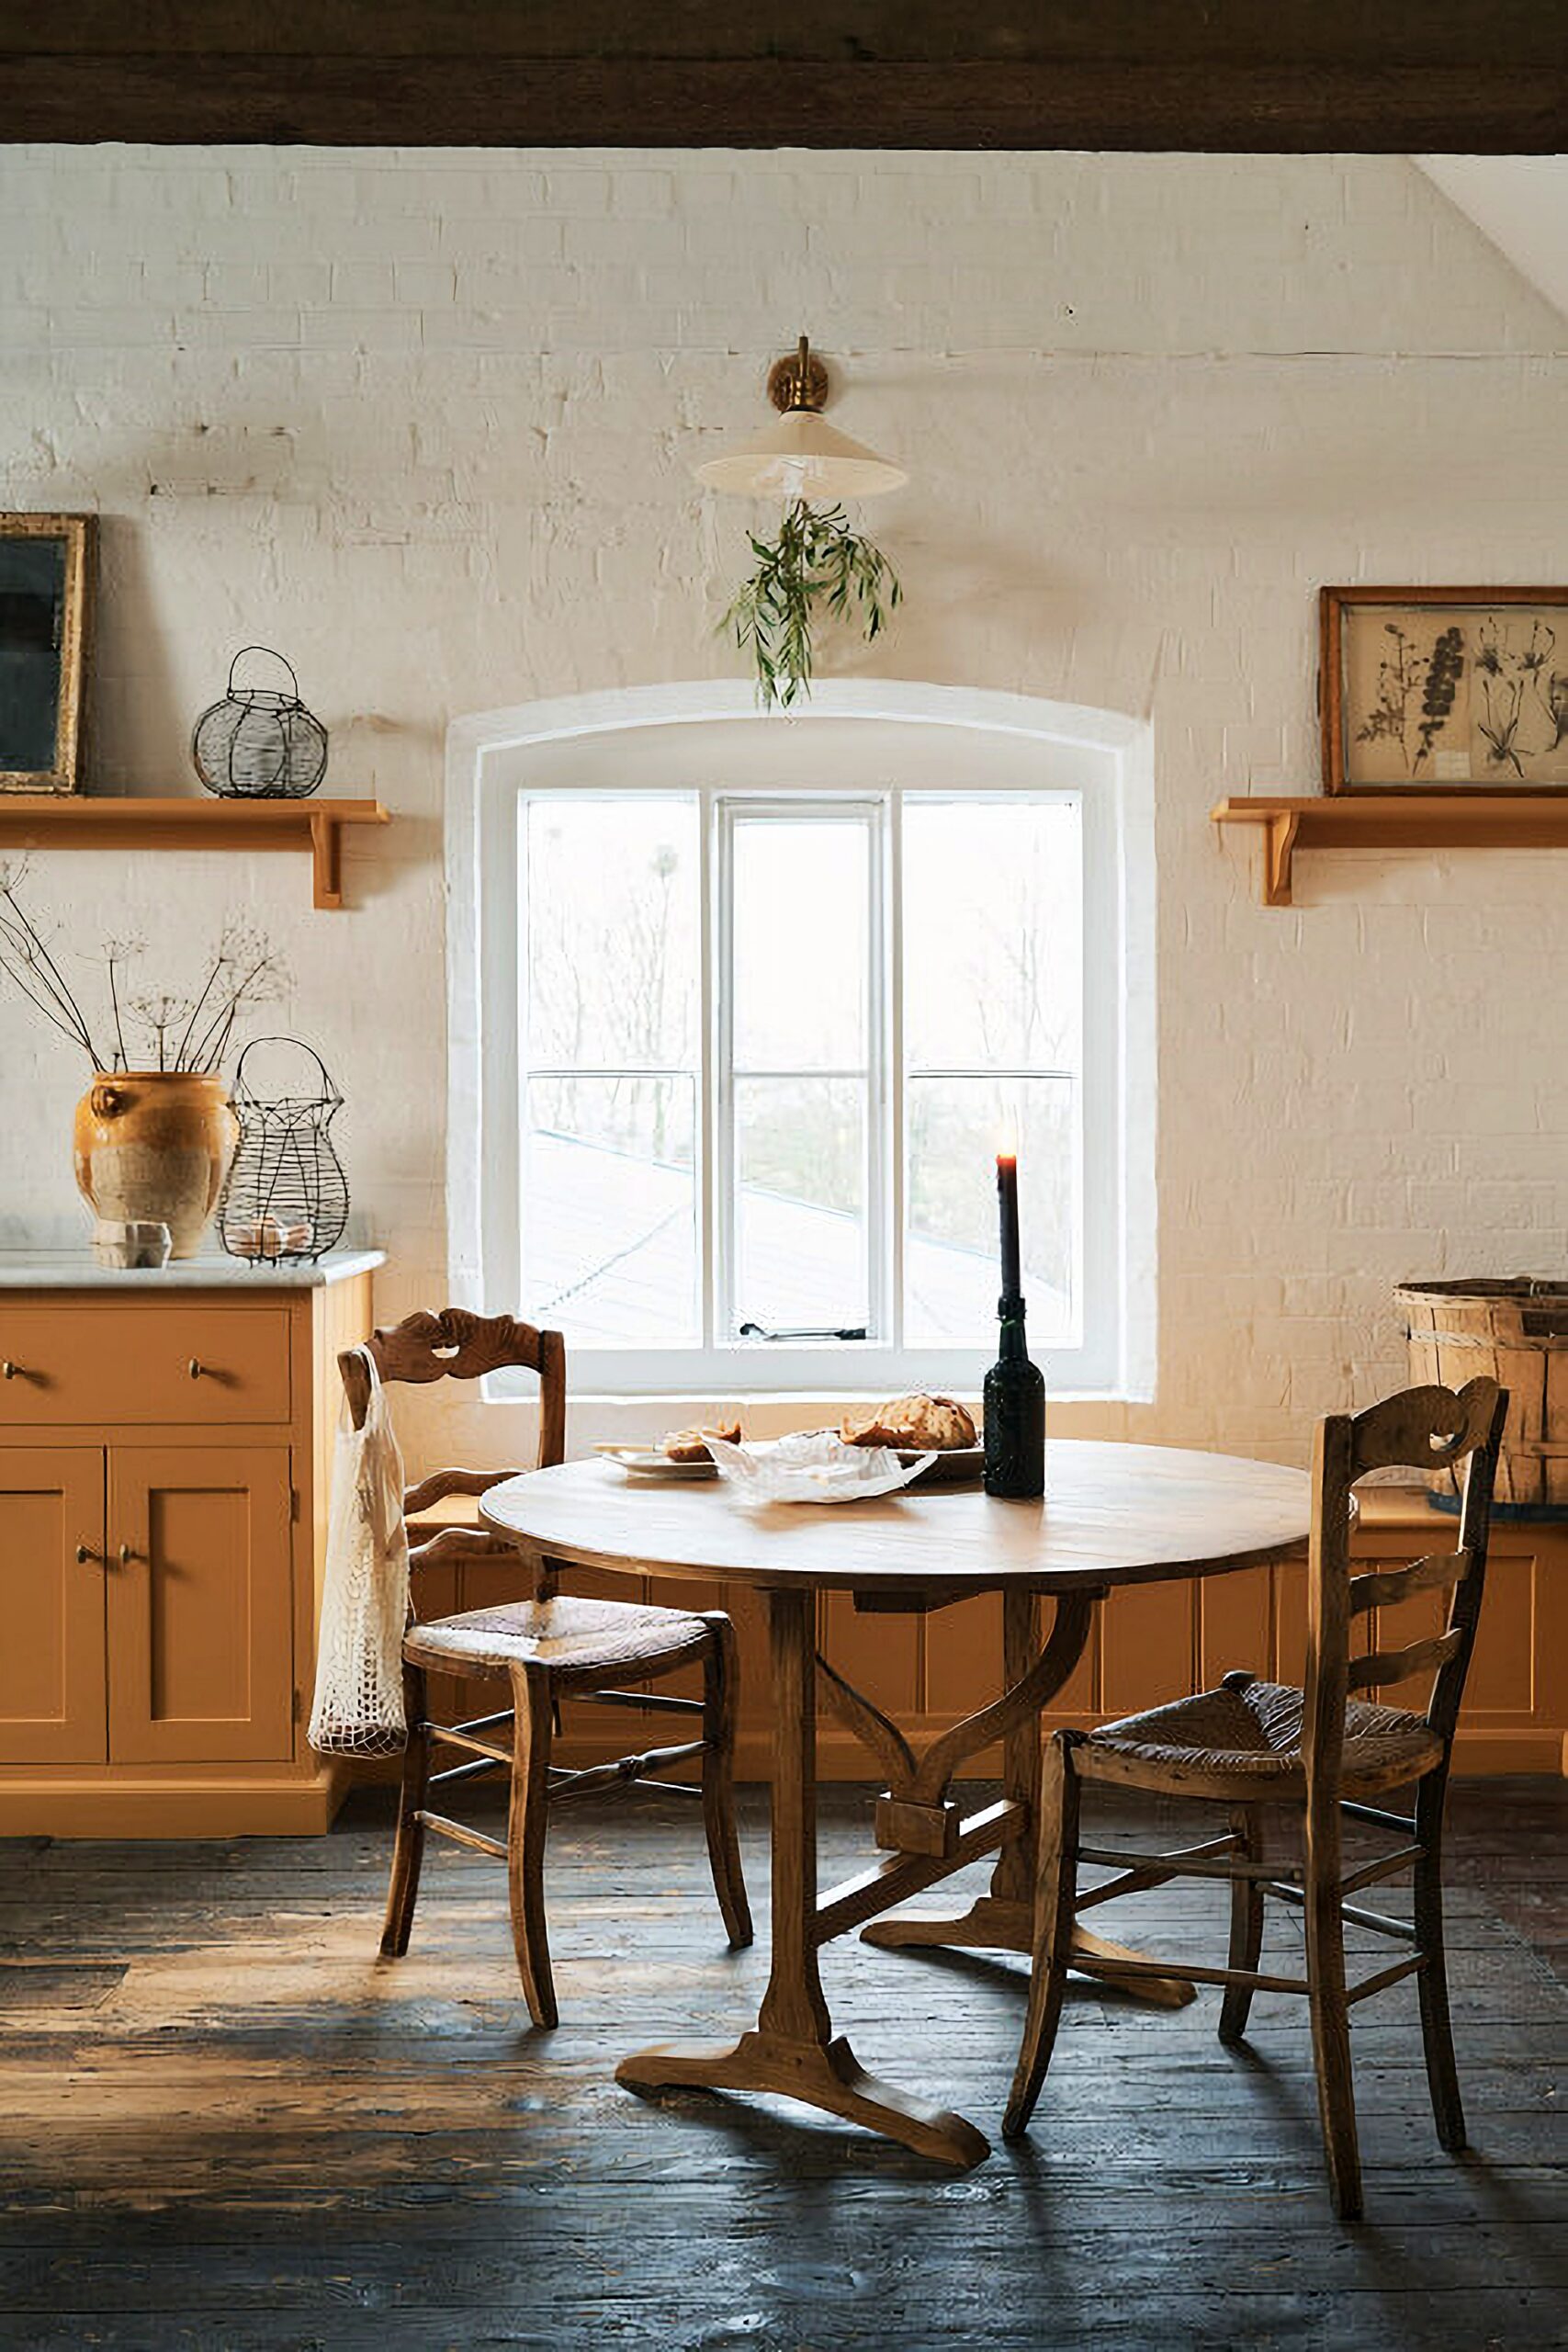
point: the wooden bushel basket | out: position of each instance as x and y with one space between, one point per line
1516 1331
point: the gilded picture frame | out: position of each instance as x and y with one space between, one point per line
1444 690
46 570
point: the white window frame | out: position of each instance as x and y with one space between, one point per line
710 739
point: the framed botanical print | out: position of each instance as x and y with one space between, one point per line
1444 689
45 575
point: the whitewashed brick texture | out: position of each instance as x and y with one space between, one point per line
425 421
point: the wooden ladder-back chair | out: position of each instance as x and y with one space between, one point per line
547 1646
1325 1752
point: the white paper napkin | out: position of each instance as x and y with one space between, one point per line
813 1467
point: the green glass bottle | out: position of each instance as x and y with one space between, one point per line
1015 1414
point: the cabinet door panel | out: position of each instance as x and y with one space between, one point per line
1235 1625
199 1623
877 1654
1291 1620
1148 1648
52 1606
1507 1645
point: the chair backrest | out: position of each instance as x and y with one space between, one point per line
458 1345
1424 1428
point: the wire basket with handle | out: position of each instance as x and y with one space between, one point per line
259 743
286 1196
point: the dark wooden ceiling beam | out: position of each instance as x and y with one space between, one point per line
1351 33
1459 75
508 102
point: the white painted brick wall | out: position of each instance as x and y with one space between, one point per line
425 421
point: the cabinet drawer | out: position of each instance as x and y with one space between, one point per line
133 1363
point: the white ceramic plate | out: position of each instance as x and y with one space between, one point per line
638 1462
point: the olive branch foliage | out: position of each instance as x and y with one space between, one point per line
817 561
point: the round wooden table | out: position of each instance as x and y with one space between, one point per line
1111 1515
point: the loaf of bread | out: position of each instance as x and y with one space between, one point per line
919 1424
691 1445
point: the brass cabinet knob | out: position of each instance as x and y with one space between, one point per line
84 1553
196 1367
127 1556
9 1370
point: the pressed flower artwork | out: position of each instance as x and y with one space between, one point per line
1445 689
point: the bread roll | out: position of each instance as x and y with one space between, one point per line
915 1424
691 1445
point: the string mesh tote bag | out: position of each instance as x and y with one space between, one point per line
358 1708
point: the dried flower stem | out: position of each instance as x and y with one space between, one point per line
185 1033
120 1058
212 979
30 964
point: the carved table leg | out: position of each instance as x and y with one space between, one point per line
793 2049
1003 1919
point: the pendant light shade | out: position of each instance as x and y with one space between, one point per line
801 457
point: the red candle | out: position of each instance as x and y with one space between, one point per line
1007 1197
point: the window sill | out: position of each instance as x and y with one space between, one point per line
765 1412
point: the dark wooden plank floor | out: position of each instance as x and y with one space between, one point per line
224 2124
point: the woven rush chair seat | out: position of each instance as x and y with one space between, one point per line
1247 1737
598 1637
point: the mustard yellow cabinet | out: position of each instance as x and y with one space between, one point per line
165 1452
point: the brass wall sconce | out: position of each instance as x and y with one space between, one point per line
801 457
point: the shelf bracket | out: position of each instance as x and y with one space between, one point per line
1279 851
327 860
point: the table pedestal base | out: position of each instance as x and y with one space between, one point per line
793 2049
823 2075
992 1923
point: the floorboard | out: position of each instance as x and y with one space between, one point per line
226 2126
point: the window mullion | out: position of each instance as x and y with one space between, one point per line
718 1093
873 1091
893 1112
520 1074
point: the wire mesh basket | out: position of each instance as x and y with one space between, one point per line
286 1196
259 743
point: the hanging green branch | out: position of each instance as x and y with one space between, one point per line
816 561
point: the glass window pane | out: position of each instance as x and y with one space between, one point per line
612 925
951 1251
800 944
800 1211
993 958
609 1210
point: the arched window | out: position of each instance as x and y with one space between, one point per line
743 1007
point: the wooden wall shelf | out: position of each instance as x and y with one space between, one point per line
99 821
1393 820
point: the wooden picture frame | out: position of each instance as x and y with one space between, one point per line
45 585
1444 690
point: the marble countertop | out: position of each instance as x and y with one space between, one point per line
76 1269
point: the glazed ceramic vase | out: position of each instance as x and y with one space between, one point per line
155 1145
